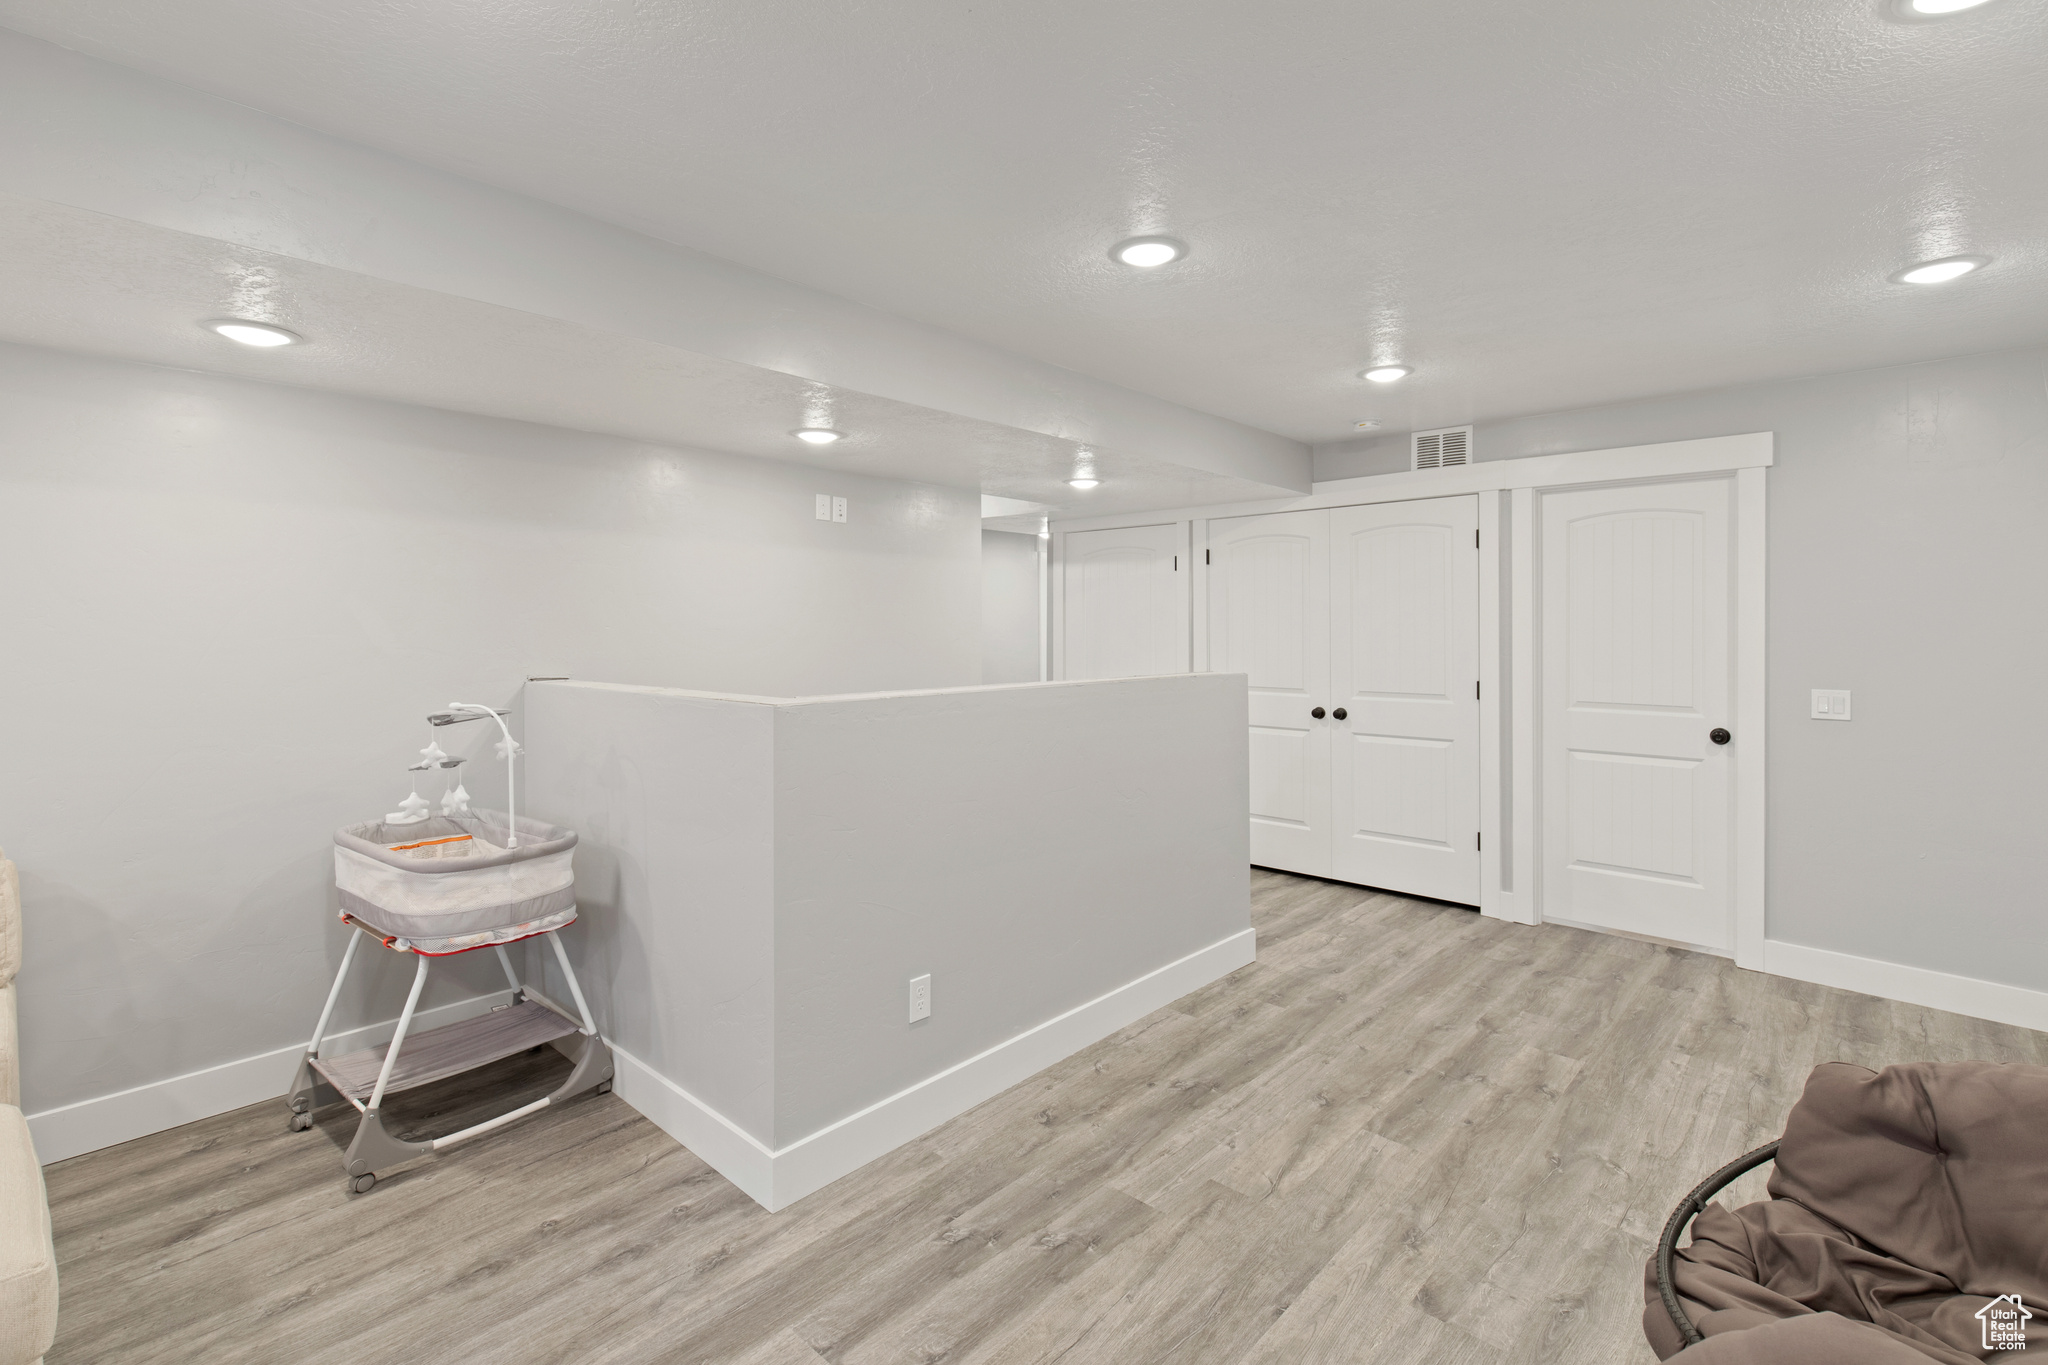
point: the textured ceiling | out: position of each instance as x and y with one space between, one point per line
86 282
1537 206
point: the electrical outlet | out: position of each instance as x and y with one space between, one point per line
920 997
825 507
839 509
1830 705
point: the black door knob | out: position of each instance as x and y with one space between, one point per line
1719 736
1340 713
1317 713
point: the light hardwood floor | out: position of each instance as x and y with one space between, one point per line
1406 1134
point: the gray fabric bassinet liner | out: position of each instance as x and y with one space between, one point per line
449 883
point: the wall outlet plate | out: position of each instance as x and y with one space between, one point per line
1830 704
839 509
920 997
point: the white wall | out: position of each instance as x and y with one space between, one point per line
1907 563
760 879
228 607
1012 601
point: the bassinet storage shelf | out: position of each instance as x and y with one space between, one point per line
443 1052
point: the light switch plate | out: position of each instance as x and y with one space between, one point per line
824 507
839 509
1830 705
920 997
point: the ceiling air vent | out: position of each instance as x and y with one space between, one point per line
1442 448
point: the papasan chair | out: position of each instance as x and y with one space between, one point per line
1908 1222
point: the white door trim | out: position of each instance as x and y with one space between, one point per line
1525 820
1751 697
1747 825
1499 863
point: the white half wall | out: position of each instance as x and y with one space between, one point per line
1059 858
228 607
672 797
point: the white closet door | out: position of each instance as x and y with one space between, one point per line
1124 612
1635 678
1404 657
1269 619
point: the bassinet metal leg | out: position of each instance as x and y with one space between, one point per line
374 1149
307 1086
575 990
412 1002
512 977
593 1068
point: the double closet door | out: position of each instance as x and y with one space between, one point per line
1358 629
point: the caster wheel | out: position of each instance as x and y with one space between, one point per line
604 1087
301 1122
361 1184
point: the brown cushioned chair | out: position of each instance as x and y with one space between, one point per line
1908 1221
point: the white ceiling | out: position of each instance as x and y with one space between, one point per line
1537 206
92 283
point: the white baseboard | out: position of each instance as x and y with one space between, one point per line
74 1129
777 1178
1915 985
722 1144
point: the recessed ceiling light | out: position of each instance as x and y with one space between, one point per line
1942 6
1147 252
1941 271
817 436
1083 481
1386 374
1366 426
253 333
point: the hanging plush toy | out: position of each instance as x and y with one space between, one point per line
454 799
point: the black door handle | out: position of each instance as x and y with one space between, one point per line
1317 713
1719 736
1340 713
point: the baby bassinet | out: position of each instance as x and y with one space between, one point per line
433 888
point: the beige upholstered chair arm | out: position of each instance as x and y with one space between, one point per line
10 921
10 963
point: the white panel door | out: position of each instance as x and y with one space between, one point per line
1404 662
1124 612
1269 620
1635 681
